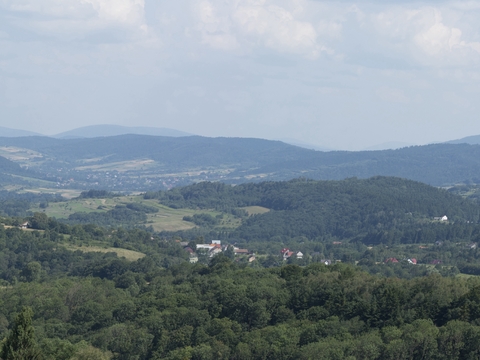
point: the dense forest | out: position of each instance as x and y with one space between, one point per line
372 211
381 277
98 306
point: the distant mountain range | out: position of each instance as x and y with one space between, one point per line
115 130
93 157
392 145
304 145
8 132
472 140
140 162
98 131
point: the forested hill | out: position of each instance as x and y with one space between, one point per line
184 160
9 168
196 151
379 209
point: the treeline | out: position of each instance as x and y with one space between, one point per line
128 216
97 194
18 204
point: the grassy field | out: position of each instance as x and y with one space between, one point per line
18 154
122 166
254 210
33 183
129 255
166 219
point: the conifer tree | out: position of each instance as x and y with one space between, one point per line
20 343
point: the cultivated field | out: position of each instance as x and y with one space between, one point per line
254 210
121 166
129 255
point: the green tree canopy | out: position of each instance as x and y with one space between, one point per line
20 343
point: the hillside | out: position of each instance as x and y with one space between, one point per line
376 210
472 140
115 130
9 132
139 162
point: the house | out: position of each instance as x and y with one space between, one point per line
189 250
24 225
215 251
204 246
326 261
391 260
238 251
193 259
299 255
441 218
472 246
217 242
251 258
412 261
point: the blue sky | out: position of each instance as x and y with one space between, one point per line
340 74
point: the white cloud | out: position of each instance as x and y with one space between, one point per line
426 36
438 38
215 29
276 27
249 24
62 18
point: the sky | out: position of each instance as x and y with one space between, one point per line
337 74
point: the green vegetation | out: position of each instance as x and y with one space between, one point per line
129 255
163 309
102 283
20 343
373 211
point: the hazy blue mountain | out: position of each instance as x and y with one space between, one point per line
115 130
237 160
304 145
472 140
8 132
391 145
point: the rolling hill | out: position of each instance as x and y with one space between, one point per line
114 130
140 162
472 140
375 210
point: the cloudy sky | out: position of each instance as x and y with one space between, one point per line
339 74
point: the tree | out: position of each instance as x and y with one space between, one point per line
39 221
32 271
20 343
